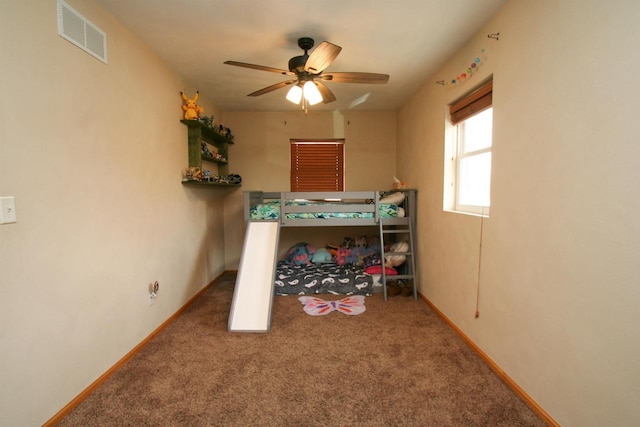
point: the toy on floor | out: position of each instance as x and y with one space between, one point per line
350 305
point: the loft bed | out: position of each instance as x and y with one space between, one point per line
300 274
318 209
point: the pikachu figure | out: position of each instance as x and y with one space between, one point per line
191 109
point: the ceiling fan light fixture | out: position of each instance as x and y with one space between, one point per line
295 94
308 73
311 93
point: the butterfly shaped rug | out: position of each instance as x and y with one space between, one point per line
350 306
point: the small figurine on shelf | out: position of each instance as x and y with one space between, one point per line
191 109
193 174
219 157
222 130
207 121
204 149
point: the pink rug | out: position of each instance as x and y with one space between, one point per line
350 306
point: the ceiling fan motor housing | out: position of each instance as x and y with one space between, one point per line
296 64
305 43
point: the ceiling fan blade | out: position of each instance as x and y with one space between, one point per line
346 77
327 95
272 88
259 67
321 57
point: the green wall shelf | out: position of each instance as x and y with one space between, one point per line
198 132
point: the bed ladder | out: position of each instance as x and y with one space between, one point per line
400 227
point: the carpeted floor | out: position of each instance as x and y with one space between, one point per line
396 364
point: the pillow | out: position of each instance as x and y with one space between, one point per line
377 269
396 260
393 198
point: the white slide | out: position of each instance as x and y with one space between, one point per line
253 293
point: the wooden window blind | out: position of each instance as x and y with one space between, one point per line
317 165
472 104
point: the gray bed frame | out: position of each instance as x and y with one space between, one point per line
342 201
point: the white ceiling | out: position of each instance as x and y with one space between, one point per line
407 39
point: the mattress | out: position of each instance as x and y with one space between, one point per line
322 279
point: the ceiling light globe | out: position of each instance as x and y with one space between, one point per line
311 93
295 94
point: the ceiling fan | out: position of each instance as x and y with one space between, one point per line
309 72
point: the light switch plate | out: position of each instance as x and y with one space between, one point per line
8 210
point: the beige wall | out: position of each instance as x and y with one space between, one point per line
559 286
261 157
93 154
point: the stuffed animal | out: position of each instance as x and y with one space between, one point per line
321 256
361 241
347 243
341 256
300 254
191 109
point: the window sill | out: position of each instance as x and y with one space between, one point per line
476 214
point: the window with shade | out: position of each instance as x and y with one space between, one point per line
472 120
317 165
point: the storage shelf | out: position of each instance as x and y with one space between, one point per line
198 134
210 184
213 159
207 132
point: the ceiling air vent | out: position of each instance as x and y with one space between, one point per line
79 31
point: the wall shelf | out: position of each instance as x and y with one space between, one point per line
210 183
198 132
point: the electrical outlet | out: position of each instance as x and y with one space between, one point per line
8 210
153 291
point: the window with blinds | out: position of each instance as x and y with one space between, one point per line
470 174
317 165
472 104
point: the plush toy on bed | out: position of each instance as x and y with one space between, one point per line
361 241
341 256
322 256
300 254
347 243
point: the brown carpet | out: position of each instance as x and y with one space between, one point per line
397 364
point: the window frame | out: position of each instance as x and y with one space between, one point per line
313 178
460 111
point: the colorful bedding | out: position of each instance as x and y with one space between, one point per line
271 210
325 278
